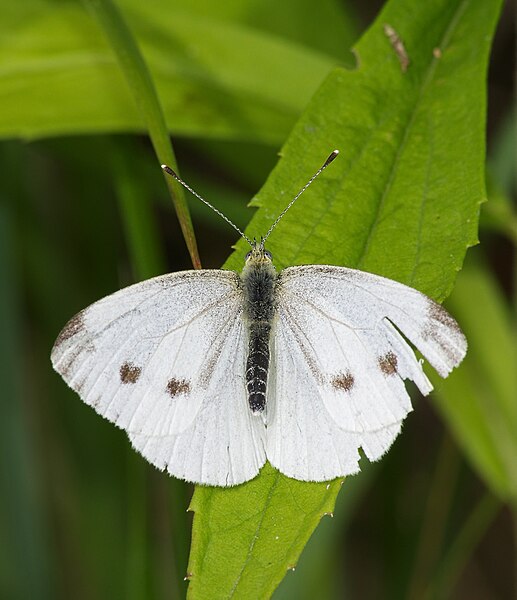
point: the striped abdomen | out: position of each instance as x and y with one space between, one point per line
257 365
258 282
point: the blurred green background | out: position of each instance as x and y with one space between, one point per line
82 516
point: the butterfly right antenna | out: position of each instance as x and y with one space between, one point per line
170 172
331 157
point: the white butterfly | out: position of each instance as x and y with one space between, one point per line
212 373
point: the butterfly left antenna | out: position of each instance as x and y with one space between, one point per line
170 172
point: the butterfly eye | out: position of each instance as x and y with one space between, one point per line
268 254
248 256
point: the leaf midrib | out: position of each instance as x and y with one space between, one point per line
255 536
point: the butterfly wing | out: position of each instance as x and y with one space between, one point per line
164 360
303 440
224 445
339 363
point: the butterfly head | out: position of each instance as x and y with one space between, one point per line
258 254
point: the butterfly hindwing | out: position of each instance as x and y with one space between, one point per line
303 440
224 445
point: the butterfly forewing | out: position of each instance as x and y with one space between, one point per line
145 356
346 324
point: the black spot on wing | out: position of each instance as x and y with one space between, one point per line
175 387
129 373
388 363
343 381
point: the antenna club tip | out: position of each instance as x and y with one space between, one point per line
169 171
331 158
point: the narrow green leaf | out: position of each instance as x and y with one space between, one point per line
147 257
402 200
142 88
499 214
478 400
148 260
25 562
215 78
503 154
459 551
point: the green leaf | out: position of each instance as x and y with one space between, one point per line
293 19
499 213
147 257
442 585
315 575
249 530
402 200
502 157
25 562
478 400
215 78
402 137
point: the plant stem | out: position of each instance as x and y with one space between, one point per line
144 93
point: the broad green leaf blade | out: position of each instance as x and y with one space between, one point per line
336 33
249 531
478 401
58 76
402 200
